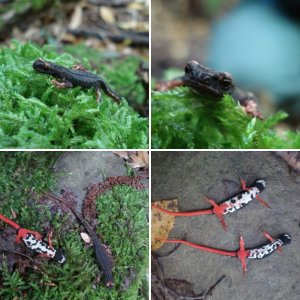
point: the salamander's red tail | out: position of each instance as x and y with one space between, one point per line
183 214
10 222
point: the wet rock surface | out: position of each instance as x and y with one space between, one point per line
190 176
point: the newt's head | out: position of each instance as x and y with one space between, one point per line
207 81
44 66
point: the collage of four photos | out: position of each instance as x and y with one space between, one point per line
150 149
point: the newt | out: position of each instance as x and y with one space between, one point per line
77 76
102 257
33 240
216 84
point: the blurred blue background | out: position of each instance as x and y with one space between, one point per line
257 41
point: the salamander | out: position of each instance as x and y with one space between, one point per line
77 76
242 254
33 240
102 256
228 206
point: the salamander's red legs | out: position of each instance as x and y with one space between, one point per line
50 240
218 210
279 249
259 199
22 232
242 254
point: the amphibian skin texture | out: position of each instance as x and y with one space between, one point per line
237 202
43 248
206 81
267 249
33 240
77 76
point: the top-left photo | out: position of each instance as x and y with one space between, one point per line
74 74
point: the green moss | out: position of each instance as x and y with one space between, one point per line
183 119
122 225
35 114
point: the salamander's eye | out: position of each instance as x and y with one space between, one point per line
207 80
187 68
226 84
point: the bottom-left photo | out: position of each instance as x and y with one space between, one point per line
74 225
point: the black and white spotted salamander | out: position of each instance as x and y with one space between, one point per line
228 206
242 253
33 240
267 249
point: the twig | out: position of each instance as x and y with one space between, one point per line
134 38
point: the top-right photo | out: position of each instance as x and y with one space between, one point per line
225 74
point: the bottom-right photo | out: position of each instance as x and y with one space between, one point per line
225 225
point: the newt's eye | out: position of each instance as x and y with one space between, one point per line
187 68
207 80
226 84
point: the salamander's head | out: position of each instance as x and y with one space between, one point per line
260 184
44 66
285 238
59 256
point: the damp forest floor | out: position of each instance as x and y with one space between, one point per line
189 177
121 217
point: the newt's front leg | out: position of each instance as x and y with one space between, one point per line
63 84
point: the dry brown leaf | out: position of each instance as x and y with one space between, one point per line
122 154
162 224
85 237
107 14
76 18
140 160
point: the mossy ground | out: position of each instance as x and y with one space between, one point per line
35 114
123 226
184 119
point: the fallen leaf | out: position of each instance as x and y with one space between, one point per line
107 14
76 18
162 224
122 154
85 237
140 160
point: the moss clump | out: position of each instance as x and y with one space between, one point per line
183 119
35 114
